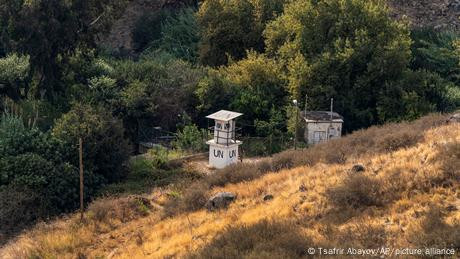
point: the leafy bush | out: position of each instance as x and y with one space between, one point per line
104 145
14 70
158 157
190 138
16 139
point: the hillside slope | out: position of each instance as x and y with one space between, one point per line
405 194
440 14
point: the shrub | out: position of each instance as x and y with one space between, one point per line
122 209
265 239
282 161
57 183
233 174
191 199
398 140
27 169
17 139
158 157
190 138
104 146
356 191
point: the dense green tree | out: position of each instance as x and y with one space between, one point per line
105 146
50 31
349 50
36 168
152 93
230 27
260 87
180 35
435 51
416 94
253 86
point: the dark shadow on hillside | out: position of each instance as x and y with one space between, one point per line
433 231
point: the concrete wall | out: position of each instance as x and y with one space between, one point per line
222 156
316 132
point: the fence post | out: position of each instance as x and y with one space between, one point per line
81 177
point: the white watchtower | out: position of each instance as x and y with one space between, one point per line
223 148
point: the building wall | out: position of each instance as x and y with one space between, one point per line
222 156
316 132
224 131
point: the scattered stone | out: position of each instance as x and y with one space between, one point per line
358 168
302 188
220 200
451 208
454 118
268 197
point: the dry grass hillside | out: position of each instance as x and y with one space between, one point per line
405 194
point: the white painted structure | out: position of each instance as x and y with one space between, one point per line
223 148
321 126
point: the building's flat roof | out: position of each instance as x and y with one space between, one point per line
321 116
224 115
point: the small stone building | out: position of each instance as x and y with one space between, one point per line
321 126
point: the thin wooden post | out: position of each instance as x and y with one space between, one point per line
81 177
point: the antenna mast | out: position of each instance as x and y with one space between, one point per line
306 103
332 106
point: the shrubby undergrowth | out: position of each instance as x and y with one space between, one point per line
41 169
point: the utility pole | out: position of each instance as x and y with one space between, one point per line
330 124
296 123
81 177
306 103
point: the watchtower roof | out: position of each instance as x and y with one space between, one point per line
224 115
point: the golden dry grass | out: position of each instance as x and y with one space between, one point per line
406 197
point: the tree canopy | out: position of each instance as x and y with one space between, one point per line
347 49
49 31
